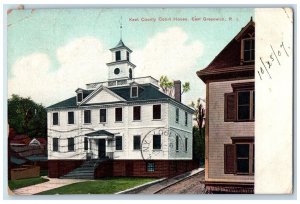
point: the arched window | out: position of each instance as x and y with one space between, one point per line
130 73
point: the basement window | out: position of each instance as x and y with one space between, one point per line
150 167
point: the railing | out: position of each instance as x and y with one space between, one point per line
110 155
90 155
123 82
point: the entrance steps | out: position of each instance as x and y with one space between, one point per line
85 171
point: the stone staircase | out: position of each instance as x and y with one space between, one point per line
85 171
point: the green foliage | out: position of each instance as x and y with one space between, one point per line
101 186
199 144
27 117
15 184
167 86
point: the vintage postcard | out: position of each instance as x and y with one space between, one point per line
149 101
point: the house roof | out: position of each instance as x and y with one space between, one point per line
100 133
146 92
229 59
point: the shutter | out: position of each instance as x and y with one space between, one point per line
229 159
230 107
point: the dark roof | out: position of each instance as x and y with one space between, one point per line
146 92
120 45
100 133
229 59
68 103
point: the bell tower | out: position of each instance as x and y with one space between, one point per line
120 67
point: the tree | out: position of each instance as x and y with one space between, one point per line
167 86
27 117
199 132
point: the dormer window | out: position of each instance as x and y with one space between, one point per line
134 92
118 55
79 97
248 52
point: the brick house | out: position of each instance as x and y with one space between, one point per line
229 137
125 125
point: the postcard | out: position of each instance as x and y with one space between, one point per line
149 101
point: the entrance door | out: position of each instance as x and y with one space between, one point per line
101 148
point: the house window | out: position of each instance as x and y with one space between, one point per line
87 116
137 113
240 104
70 117
86 143
136 142
150 167
102 115
186 144
248 50
239 157
127 55
134 91
156 142
177 143
177 115
117 71
118 142
70 144
186 118
55 118
55 144
79 97
118 114
156 111
130 73
118 55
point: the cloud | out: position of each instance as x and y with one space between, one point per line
81 61
171 53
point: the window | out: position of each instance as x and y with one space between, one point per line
156 111
70 144
118 114
86 143
55 144
150 167
239 156
127 55
177 115
118 55
156 142
117 71
248 50
130 73
186 144
79 97
118 142
186 118
177 143
134 91
102 115
137 113
70 117
240 104
55 118
136 142
87 116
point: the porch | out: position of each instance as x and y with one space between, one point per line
100 145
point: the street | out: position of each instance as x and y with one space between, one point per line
192 185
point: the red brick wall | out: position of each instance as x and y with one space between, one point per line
163 168
57 168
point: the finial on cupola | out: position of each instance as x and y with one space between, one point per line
120 28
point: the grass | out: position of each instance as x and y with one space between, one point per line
103 186
15 184
43 172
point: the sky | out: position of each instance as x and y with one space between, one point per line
52 52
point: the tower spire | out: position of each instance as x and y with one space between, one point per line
120 28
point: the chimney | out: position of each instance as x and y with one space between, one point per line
177 90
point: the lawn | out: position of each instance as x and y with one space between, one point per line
103 186
15 184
